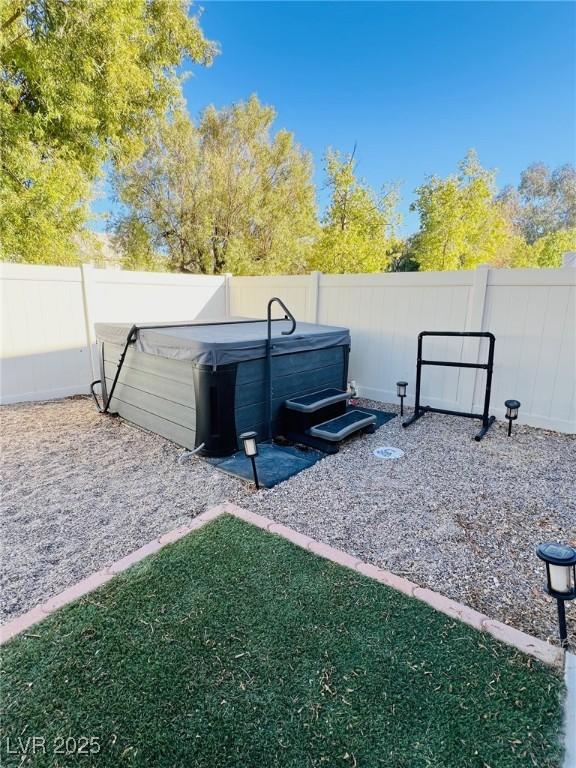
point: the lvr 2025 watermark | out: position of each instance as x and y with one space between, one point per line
59 745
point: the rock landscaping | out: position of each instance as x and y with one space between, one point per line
462 518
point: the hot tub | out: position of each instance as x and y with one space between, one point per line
206 383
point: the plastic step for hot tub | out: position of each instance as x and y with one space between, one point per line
316 401
341 427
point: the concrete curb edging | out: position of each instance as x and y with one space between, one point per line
533 646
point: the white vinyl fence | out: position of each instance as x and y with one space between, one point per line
48 315
531 312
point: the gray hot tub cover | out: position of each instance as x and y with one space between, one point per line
220 344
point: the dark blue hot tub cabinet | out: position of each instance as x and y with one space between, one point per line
206 384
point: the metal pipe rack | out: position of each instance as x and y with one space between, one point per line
420 410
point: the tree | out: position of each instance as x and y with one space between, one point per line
358 227
221 195
141 255
549 248
460 224
82 82
546 251
543 203
404 258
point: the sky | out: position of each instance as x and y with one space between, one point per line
413 85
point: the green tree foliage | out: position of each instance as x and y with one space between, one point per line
548 249
404 259
93 84
223 194
81 83
545 252
543 203
461 225
542 216
357 232
141 255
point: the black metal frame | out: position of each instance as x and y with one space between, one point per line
107 397
420 410
290 316
131 338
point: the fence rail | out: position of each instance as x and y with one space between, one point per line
48 316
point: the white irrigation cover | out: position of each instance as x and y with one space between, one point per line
387 452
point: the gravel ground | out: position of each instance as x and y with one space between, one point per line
463 518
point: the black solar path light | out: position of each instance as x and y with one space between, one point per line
560 560
512 407
251 450
401 392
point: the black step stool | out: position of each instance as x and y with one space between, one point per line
321 420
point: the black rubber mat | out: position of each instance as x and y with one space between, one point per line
276 463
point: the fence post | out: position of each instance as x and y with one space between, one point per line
87 278
314 305
227 293
472 348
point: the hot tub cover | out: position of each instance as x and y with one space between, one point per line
220 344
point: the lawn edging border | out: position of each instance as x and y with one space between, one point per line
545 652
90 583
533 646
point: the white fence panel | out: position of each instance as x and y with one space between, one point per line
250 295
385 313
533 315
48 316
147 297
44 351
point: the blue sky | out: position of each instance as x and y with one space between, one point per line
414 85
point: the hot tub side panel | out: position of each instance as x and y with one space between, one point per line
292 375
153 392
192 404
215 397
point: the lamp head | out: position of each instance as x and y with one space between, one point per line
250 444
560 562
401 388
512 407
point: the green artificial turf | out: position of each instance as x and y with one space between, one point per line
233 647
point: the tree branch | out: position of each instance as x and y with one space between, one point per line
14 177
16 15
